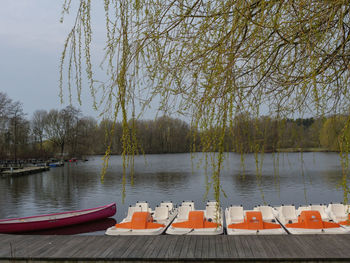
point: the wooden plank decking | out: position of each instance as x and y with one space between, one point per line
288 248
25 171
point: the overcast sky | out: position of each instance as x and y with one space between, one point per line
31 42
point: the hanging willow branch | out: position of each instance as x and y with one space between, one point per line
215 60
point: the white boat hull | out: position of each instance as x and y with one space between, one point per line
113 231
190 231
305 231
279 231
294 215
198 231
237 231
119 231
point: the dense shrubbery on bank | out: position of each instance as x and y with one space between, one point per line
67 132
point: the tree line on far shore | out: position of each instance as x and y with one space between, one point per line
68 133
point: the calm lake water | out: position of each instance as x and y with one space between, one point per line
291 178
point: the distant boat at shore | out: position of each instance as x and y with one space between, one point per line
56 164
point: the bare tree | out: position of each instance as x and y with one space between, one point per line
17 122
38 125
71 116
5 105
86 137
59 126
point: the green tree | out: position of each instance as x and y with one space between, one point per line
333 136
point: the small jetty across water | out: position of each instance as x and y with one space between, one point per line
277 248
23 170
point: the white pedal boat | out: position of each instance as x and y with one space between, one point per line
340 214
311 219
141 220
260 221
197 222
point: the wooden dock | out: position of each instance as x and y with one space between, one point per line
286 248
24 171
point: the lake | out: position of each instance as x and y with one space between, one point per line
285 178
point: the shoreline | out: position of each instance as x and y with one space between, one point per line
287 150
279 150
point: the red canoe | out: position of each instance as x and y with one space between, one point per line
34 223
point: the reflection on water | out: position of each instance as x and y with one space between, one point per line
96 227
285 179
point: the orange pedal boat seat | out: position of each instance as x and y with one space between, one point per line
346 222
312 220
254 221
140 220
196 220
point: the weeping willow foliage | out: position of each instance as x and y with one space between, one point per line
213 60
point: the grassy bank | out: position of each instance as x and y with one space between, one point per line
287 150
